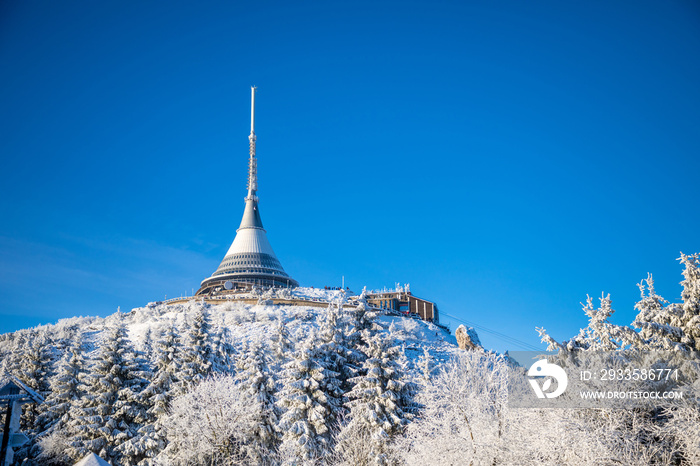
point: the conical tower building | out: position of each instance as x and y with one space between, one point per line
250 260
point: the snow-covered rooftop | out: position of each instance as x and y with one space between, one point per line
92 460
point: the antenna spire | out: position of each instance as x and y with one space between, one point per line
252 162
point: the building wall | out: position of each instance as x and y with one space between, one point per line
425 309
404 302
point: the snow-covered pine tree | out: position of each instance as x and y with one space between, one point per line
425 364
282 345
148 344
672 326
647 436
33 365
197 357
362 318
65 387
256 383
600 334
131 408
167 364
662 326
409 391
104 417
303 424
35 372
375 405
222 349
150 437
659 323
337 358
691 300
65 336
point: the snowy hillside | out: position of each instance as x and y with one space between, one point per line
128 368
245 323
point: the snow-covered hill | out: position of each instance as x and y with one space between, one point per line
124 370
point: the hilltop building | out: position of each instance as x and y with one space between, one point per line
403 302
250 260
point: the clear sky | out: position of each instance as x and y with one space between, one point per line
505 158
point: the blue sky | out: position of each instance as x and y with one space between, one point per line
505 158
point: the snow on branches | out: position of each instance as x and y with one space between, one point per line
662 326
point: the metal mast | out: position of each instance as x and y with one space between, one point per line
252 162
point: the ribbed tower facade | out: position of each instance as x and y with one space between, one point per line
250 260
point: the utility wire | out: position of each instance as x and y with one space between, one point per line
499 335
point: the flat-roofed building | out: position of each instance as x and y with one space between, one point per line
405 303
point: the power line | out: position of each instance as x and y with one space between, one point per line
503 337
499 335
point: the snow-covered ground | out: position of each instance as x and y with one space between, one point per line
317 293
41 355
248 323
245 323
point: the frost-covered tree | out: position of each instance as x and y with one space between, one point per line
425 364
407 374
662 326
464 404
204 425
337 358
105 417
677 428
12 358
256 291
35 372
222 350
198 354
467 419
65 388
665 326
256 385
659 324
375 399
361 318
132 405
691 300
64 338
282 344
600 334
646 435
148 344
168 353
150 437
304 421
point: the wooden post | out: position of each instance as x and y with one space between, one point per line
6 433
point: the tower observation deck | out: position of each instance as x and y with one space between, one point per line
250 260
